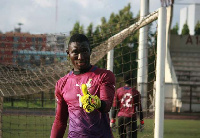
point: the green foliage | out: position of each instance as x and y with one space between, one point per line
174 30
89 33
90 30
81 29
126 52
77 29
197 28
125 58
185 30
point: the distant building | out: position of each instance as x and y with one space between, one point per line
30 50
11 43
56 42
191 16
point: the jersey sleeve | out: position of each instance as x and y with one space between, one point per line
107 90
114 106
115 100
60 122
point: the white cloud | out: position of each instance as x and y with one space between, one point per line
40 15
45 3
83 3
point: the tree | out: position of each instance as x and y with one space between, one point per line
81 29
126 52
104 29
197 28
116 23
174 30
185 30
77 29
96 37
89 34
89 30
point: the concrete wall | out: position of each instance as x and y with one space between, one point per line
185 55
172 97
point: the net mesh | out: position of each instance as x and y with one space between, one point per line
30 65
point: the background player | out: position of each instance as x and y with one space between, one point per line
127 102
88 112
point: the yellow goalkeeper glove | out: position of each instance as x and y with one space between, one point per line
89 102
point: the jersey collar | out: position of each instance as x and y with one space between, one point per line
82 71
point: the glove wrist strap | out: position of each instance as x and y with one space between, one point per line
113 120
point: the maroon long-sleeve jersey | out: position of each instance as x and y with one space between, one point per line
127 100
68 92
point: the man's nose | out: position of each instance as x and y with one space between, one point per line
80 56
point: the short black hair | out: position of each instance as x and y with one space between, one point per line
128 78
78 38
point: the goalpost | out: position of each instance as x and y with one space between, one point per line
160 74
27 87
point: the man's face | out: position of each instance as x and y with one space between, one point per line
79 54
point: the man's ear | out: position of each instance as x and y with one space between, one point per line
67 51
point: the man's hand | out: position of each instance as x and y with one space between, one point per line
89 102
113 125
141 126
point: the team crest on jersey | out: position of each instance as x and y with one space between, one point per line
88 84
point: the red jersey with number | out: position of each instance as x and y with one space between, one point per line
126 100
99 82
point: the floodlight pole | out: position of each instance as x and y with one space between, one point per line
160 73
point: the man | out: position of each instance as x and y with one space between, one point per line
126 101
84 95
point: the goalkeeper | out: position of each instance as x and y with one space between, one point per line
84 96
126 101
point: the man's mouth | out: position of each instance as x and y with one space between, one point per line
81 63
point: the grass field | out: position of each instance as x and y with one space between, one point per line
25 126
182 129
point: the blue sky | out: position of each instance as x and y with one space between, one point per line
39 16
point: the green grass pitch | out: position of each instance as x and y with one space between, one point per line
22 126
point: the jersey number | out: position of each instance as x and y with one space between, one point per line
79 98
126 100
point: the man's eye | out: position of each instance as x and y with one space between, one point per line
75 52
85 51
